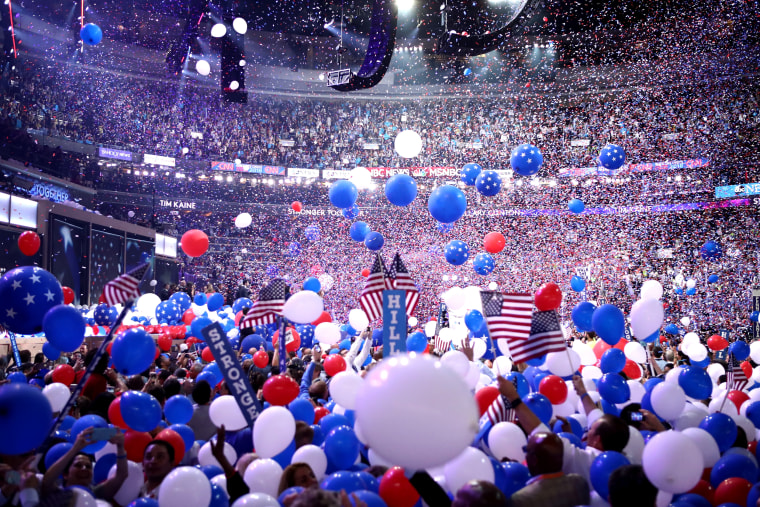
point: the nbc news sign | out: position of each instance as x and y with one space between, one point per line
737 190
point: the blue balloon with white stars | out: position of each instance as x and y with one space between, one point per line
351 212
273 271
457 252
26 295
374 241
612 157
358 231
241 303
182 299
312 232
444 228
168 312
306 333
483 264
105 315
711 251
526 160
488 183
469 173
294 249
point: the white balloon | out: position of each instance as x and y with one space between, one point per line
705 443
472 299
327 333
183 487
646 317
303 307
273 431
689 339
376 460
754 351
564 363
637 391
688 419
691 283
446 334
83 498
635 352
221 482
715 370
457 361
131 486
585 352
673 462
473 376
57 394
314 457
492 286
256 500
502 366
503 347
745 424
345 387
218 30
591 372
402 397
685 321
203 67
263 476
412 322
225 411
470 465
668 400
430 328
206 457
360 177
198 309
408 144
454 298
478 348
240 25
634 449
243 220
506 440
358 319
147 304
651 289
672 375
697 352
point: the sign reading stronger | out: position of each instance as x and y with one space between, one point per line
237 381
394 322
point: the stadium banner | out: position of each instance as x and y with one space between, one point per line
288 143
737 190
303 173
394 322
417 172
271 170
755 308
580 142
332 174
158 160
49 191
634 168
333 212
114 154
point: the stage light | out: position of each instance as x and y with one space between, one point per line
240 25
218 30
404 6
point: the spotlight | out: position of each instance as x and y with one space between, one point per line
218 30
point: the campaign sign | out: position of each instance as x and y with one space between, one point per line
394 322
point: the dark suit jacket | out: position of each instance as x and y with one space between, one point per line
555 490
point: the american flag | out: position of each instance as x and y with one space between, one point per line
545 336
441 345
736 380
508 316
371 298
268 307
498 411
124 287
403 281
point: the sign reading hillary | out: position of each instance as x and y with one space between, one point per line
394 322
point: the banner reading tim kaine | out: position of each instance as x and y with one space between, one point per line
273 170
237 381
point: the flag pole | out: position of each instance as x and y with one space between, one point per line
728 388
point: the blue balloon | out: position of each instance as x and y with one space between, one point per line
609 323
306 332
351 212
332 421
215 301
488 183
570 437
752 497
140 411
312 284
200 299
133 351
652 337
722 428
374 241
695 382
733 465
612 157
369 480
447 204
575 426
50 351
691 500
753 413
17 377
144 502
371 498
91 34
401 190
219 497
712 279
483 264
416 342
88 421
197 325
182 299
739 349
319 435
576 206
252 341
168 312
302 410
577 283
613 388
678 290
358 231
187 434
469 173
312 232
691 291
241 303
341 447
102 315
540 405
601 469
754 316
27 293
457 252
294 249
517 476
102 466
343 194
64 328
474 320
711 251
178 409
211 471
55 452
523 389
612 361
348 481
214 370
67 423
295 490
672 329
610 408
526 160
582 316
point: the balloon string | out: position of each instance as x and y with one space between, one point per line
90 369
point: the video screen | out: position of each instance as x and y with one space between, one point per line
10 256
107 260
140 249
69 247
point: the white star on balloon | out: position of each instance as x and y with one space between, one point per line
16 284
10 313
29 299
49 295
35 279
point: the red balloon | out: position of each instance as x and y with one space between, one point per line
297 206
746 368
494 242
29 243
158 353
334 364
485 397
188 316
325 317
194 243
261 359
207 355
554 388
64 374
716 342
600 347
238 316
737 398
164 342
135 443
732 490
548 297
752 447
396 489
632 370
68 295
292 339
280 390
704 490
175 440
114 414
365 272
319 413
